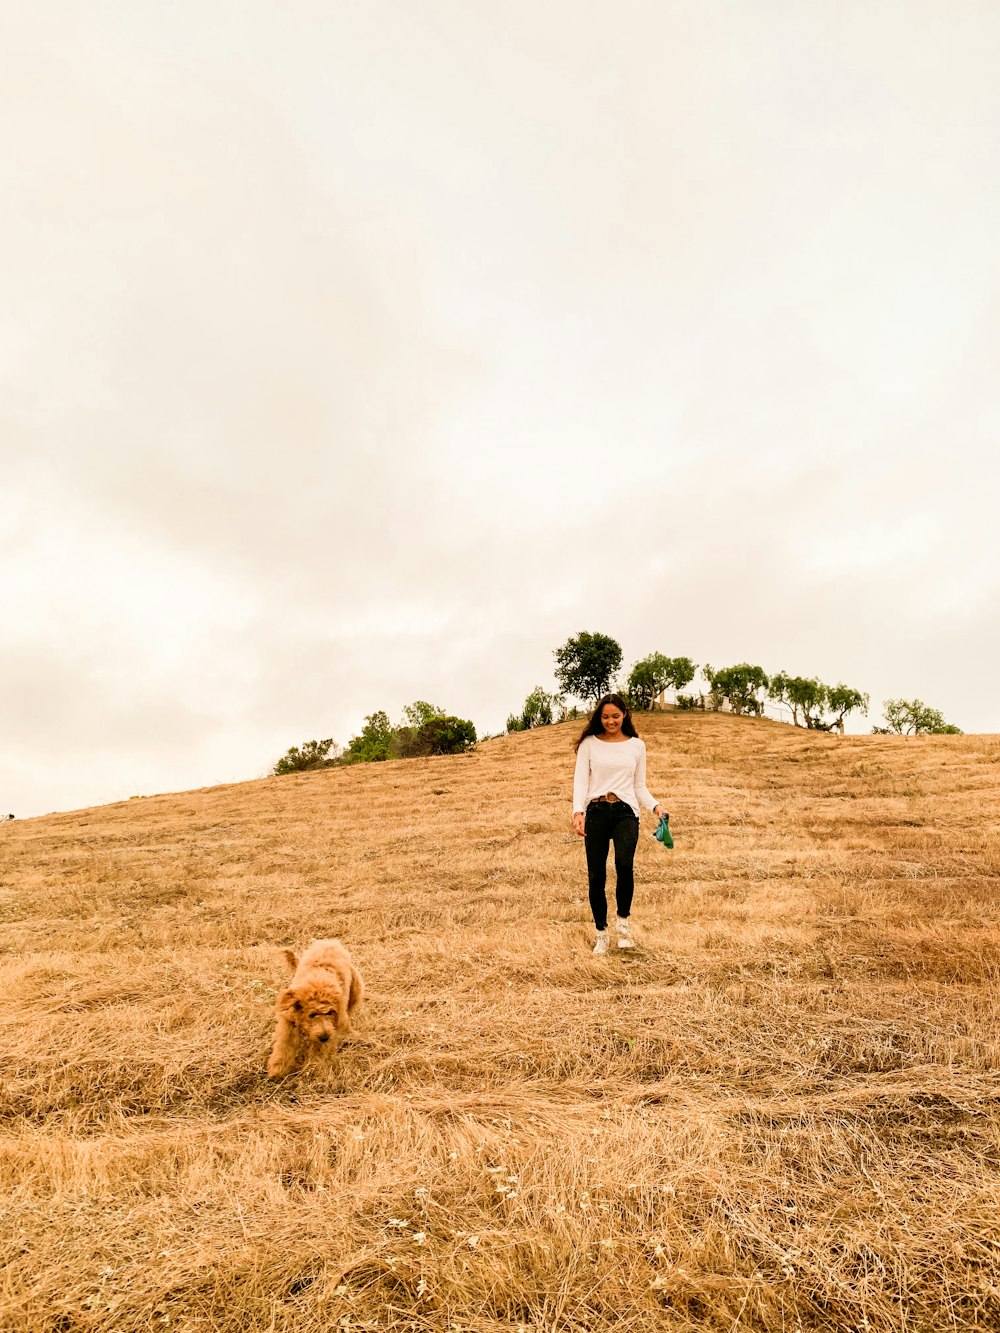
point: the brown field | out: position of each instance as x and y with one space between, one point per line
781 1113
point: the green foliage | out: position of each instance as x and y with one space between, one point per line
586 664
425 730
739 684
912 717
419 712
446 735
311 754
653 674
809 700
537 711
843 700
805 695
374 744
406 741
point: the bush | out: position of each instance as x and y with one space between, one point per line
310 755
426 730
374 744
537 711
446 735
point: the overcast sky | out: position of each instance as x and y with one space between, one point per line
359 352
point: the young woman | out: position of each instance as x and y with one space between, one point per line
609 785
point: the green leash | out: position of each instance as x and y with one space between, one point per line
663 833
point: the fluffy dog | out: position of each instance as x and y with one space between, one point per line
316 1005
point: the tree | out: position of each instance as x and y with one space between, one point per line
652 675
803 694
808 696
912 717
406 742
446 735
419 712
311 754
586 664
374 744
739 684
537 711
843 700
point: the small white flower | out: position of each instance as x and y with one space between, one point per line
419 1237
472 1242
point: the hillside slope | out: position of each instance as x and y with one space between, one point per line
782 1112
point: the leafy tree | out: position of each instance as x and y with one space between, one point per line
912 717
374 744
739 684
538 708
805 695
311 754
537 711
653 674
406 742
843 700
419 712
809 699
446 735
586 664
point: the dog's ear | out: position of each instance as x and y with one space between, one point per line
290 959
289 1003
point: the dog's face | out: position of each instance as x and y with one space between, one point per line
314 1010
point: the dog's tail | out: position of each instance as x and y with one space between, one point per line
290 959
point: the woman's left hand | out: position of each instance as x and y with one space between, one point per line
658 811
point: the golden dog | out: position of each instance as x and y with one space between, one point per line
315 1006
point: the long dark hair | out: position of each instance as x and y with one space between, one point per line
594 728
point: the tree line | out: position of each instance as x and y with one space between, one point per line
424 730
588 666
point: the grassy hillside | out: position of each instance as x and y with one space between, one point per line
781 1113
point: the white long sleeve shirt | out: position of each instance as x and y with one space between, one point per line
611 766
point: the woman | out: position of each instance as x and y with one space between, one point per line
608 787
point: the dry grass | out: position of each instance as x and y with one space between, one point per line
781 1113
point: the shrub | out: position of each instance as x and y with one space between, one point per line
310 755
537 711
374 744
446 735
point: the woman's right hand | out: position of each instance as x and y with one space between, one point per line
578 823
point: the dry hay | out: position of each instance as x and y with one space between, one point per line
780 1113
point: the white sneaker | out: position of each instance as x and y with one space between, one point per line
602 943
624 933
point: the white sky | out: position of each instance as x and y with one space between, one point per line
353 353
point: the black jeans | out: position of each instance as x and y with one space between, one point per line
607 823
